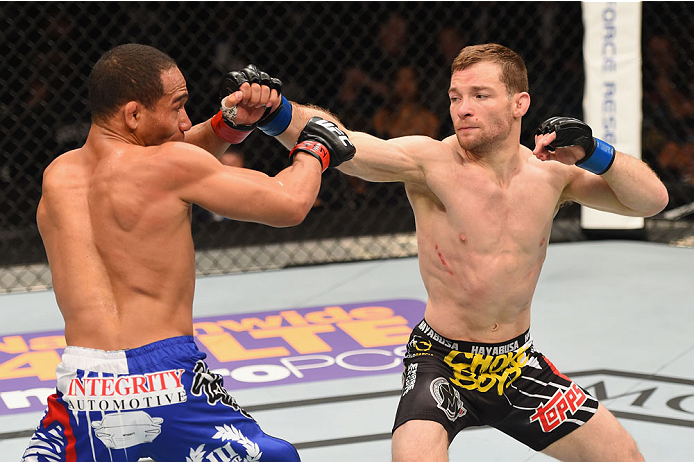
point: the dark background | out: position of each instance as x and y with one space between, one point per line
47 51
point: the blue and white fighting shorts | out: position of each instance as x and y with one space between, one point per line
159 401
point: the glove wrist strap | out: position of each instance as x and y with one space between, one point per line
227 133
279 121
600 160
315 149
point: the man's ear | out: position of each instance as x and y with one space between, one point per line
132 113
521 104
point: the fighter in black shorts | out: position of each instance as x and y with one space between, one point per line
483 205
509 386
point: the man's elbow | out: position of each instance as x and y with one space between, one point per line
290 220
664 197
661 198
294 212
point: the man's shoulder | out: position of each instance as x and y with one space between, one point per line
440 150
176 162
451 142
423 145
171 153
64 161
178 148
548 172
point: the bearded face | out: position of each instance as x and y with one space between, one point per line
481 109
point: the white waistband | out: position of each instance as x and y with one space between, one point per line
114 362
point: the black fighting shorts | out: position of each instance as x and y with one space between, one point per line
509 386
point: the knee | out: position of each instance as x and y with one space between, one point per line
418 440
632 453
624 451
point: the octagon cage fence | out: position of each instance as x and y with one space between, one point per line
370 63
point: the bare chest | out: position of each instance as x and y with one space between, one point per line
480 211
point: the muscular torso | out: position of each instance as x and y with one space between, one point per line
119 245
482 242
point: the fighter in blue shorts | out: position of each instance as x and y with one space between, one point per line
115 218
159 401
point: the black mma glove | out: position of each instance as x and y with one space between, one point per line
272 123
251 74
324 141
573 132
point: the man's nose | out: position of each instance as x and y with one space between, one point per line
184 123
464 109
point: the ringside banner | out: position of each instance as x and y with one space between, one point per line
612 98
249 350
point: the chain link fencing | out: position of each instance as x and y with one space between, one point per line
357 59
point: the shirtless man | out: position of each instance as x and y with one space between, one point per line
483 207
115 219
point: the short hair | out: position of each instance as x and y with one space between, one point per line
514 74
129 72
